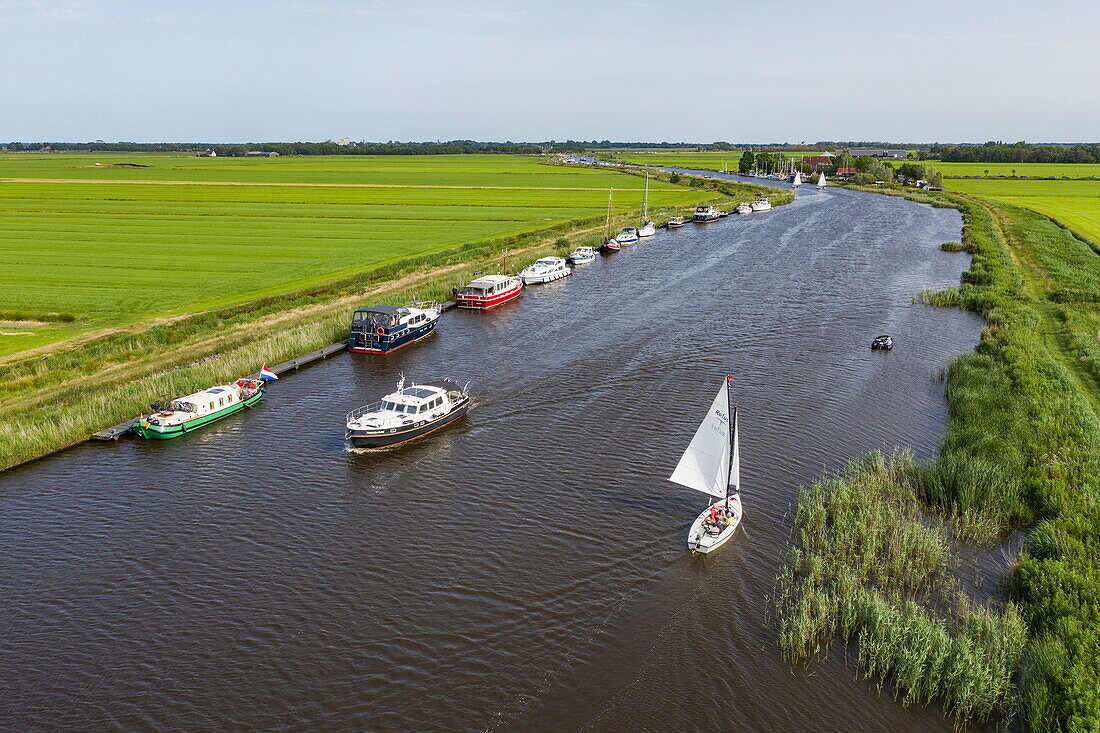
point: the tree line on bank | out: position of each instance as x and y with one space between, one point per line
1020 152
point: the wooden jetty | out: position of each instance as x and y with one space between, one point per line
117 431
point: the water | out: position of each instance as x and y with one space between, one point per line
525 569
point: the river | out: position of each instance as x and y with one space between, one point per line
525 569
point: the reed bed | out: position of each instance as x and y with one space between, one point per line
866 567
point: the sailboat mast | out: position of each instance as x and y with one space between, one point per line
735 462
610 191
645 202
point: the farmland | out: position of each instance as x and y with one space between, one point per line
1074 203
90 247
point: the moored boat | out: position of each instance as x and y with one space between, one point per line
704 214
582 255
744 209
762 203
610 243
676 222
629 235
186 414
407 414
380 329
544 270
712 464
489 291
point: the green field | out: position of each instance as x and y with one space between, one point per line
113 244
1033 170
1074 203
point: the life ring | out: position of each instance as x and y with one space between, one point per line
380 331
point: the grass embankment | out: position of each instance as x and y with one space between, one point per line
115 246
1022 449
59 397
1075 204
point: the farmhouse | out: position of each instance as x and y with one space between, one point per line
818 161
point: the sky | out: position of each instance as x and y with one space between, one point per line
699 71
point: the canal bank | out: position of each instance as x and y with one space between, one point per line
522 570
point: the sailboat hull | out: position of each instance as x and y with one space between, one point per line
702 541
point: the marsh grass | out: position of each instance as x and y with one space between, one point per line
868 568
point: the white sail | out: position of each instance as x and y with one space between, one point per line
797 180
705 465
821 180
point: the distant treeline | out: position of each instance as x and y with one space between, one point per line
1021 152
299 148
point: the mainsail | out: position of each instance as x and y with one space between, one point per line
705 465
821 180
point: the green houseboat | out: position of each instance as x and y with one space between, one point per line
190 413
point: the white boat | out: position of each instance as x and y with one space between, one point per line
821 180
648 228
704 214
629 235
582 255
796 180
544 270
712 464
744 209
761 204
407 414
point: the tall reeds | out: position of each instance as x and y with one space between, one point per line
867 568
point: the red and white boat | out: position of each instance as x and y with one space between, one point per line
489 291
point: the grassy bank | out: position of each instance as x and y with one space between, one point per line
1022 448
59 397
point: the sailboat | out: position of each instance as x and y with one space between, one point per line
796 179
821 180
610 244
648 228
712 464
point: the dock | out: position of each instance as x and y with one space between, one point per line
117 431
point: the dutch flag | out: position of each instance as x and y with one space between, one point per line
267 374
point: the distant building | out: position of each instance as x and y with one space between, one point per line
818 161
879 153
261 154
208 154
846 172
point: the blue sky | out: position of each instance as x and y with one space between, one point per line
787 70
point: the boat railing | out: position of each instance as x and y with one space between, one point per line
427 305
360 411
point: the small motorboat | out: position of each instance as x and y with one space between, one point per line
544 270
883 342
762 203
647 229
744 209
676 222
582 255
629 235
189 413
407 414
380 329
489 291
704 214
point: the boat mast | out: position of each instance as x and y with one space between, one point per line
735 463
645 201
607 234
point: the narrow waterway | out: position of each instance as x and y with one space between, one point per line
526 569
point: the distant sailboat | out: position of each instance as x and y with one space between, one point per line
712 464
648 228
796 179
821 180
